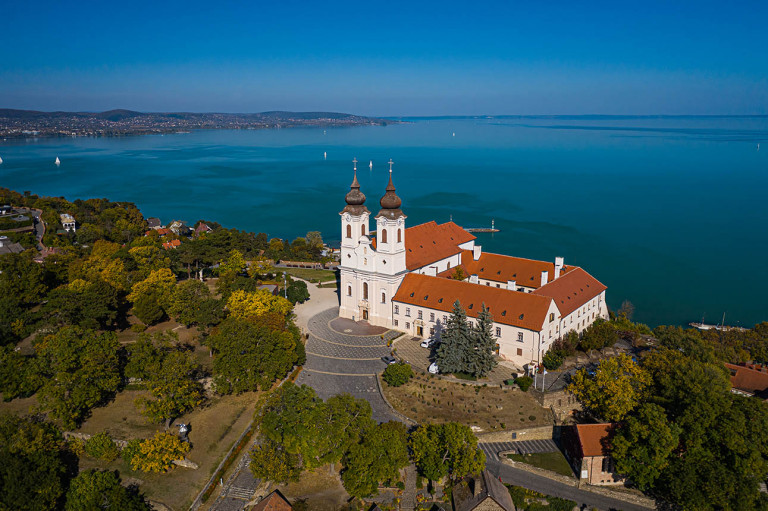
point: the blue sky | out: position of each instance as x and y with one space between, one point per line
387 58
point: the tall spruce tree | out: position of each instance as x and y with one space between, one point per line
456 344
480 360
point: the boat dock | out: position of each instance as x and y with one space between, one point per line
483 229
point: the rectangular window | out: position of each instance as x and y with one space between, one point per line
519 352
395 322
606 464
431 332
432 317
498 331
445 319
520 336
397 309
407 312
407 325
419 314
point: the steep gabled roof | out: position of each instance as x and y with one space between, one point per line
594 438
273 502
501 268
524 310
748 379
572 290
428 243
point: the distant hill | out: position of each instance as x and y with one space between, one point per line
122 114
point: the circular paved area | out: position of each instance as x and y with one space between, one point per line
344 356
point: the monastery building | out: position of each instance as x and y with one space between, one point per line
402 278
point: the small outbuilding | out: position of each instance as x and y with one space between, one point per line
275 501
588 449
482 493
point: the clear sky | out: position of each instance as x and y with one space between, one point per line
387 58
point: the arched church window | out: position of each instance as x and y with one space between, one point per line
399 235
349 231
383 297
365 290
383 235
349 290
362 229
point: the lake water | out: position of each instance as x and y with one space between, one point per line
670 213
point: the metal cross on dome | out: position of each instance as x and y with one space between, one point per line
354 162
390 165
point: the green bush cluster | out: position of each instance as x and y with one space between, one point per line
524 382
102 446
397 374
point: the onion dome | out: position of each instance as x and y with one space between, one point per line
390 199
390 203
355 197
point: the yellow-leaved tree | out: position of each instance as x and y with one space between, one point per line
157 454
245 304
616 388
152 297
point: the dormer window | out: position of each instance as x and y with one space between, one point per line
522 316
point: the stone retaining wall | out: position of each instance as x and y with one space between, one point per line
516 435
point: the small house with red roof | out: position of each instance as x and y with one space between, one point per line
588 447
748 379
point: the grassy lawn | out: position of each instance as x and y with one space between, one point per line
429 399
310 274
321 488
554 461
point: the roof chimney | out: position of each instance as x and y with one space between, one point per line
544 277
473 279
512 285
558 266
477 251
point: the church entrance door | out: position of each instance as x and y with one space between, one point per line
365 314
419 331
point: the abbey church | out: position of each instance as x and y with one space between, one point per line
405 278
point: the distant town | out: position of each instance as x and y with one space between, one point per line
35 124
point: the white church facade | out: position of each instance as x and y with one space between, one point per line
403 278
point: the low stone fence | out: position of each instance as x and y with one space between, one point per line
518 435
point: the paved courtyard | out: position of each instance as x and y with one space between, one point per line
344 356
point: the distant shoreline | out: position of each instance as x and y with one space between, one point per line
30 124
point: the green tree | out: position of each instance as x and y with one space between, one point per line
250 355
191 303
340 422
95 490
18 376
102 446
78 369
446 450
174 388
378 457
600 334
480 359
641 447
151 297
456 342
616 388
91 305
297 291
32 469
158 454
397 374
21 287
271 461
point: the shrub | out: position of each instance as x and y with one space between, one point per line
138 327
130 450
76 446
524 382
397 374
400 485
102 447
553 359
157 454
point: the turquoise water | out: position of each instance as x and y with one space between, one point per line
670 213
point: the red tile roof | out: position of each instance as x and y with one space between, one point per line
171 244
572 290
163 231
273 502
753 379
524 310
594 438
428 243
501 268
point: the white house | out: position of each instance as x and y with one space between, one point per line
401 279
68 222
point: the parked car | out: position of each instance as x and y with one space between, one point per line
389 359
433 368
428 343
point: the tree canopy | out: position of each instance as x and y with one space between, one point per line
446 450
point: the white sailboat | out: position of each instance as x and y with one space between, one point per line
58 161
370 165
1 160
325 155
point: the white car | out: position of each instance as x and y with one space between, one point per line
427 343
433 368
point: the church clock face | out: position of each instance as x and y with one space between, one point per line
347 217
400 221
